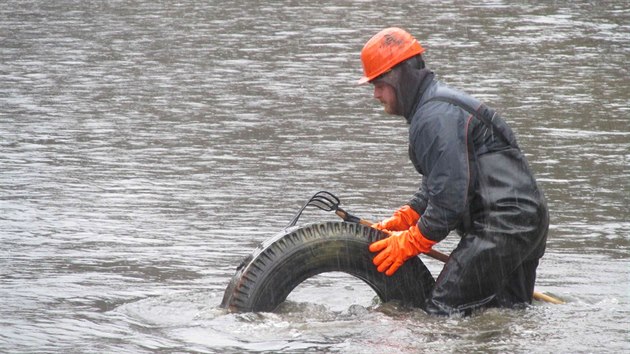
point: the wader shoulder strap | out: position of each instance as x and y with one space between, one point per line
483 117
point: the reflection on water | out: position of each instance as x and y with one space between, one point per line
147 147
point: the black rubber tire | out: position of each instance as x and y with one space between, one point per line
266 277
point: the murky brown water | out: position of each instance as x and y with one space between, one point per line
147 147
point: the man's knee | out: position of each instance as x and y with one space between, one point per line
519 287
437 308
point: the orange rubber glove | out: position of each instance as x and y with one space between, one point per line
402 220
399 247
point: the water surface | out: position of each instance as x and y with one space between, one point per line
147 147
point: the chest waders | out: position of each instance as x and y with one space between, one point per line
503 232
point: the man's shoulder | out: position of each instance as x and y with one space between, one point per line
442 90
441 99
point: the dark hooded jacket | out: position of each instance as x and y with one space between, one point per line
475 178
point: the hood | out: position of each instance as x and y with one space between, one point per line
409 80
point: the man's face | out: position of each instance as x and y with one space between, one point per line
386 95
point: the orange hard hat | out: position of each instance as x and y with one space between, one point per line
385 50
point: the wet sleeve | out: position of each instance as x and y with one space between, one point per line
420 200
443 155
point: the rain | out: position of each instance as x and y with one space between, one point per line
148 148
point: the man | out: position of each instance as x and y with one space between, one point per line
475 180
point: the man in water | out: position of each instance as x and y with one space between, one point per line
475 180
